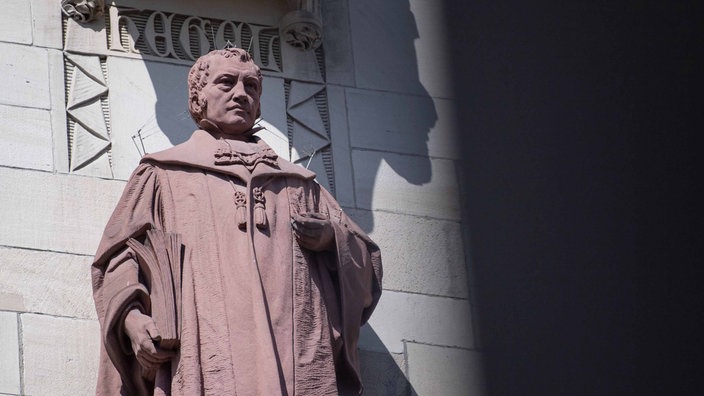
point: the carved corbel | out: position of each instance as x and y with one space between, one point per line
83 11
302 26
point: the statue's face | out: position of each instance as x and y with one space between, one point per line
232 94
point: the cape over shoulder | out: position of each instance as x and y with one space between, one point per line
199 152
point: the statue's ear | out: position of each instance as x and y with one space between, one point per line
199 103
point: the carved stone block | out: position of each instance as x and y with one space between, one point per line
46 24
414 59
54 345
417 317
431 262
88 116
406 184
25 74
339 134
52 226
10 356
25 138
436 370
383 374
61 288
16 22
402 123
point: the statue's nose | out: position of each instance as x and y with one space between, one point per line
239 92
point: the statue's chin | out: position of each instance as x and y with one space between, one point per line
240 131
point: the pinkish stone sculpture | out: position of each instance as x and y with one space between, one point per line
226 270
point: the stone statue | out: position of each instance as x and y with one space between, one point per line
268 281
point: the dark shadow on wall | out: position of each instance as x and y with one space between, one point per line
382 374
397 122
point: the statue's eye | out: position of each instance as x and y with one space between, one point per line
226 81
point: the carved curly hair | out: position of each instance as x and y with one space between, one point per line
198 78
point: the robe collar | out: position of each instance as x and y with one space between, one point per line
200 152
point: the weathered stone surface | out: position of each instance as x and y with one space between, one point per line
25 72
62 213
49 283
149 110
344 191
266 12
427 255
410 57
15 22
415 317
85 38
10 355
25 138
339 65
408 124
406 184
60 355
58 109
46 23
383 373
273 106
433 54
435 370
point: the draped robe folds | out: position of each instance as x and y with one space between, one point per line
260 314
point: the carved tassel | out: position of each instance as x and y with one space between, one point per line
241 210
259 208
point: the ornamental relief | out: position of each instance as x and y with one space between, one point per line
183 37
135 105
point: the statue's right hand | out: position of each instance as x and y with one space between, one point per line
142 332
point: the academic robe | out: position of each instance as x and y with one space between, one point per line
260 314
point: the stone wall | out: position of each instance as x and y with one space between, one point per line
384 145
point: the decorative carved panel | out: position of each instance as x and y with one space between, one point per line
96 148
308 124
83 10
87 114
184 37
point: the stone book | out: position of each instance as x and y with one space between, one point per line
160 260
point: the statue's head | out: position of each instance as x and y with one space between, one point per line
224 87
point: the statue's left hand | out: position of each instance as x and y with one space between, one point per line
313 231
143 334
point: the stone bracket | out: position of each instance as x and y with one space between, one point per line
302 26
83 11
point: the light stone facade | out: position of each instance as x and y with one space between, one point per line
371 111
